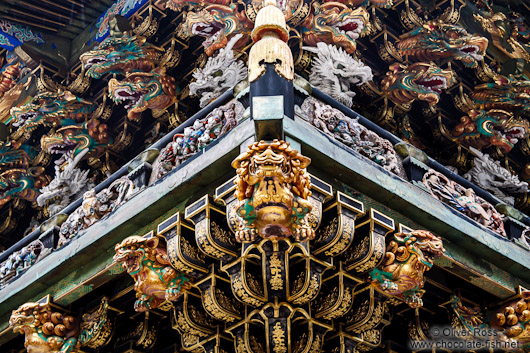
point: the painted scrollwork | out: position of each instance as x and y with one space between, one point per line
272 190
407 258
146 261
506 323
464 200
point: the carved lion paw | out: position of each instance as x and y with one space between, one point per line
142 304
172 293
413 300
248 234
388 286
304 233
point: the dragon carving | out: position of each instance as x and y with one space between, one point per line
48 329
120 55
272 188
142 91
334 72
509 32
68 184
437 40
17 178
220 73
491 176
50 109
218 24
408 256
496 117
146 260
423 81
337 24
89 137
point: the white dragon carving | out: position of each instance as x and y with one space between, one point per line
334 72
220 73
68 185
491 176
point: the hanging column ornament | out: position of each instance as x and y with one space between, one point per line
270 73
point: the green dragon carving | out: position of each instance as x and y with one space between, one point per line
50 109
438 40
497 117
142 91
423 81
69 141
336 23
17 178
217 23
120 55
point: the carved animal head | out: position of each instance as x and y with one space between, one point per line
276 159
334 72
69 141
221 72
438 40
21 183
46 330
423 81
429 245
272 187
336 23
119 55
142 91
133 251
216 23
494 127
505 93
17 178
50 109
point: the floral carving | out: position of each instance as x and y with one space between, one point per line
464 200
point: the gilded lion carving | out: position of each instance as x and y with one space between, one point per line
272 190
146 260
407 258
